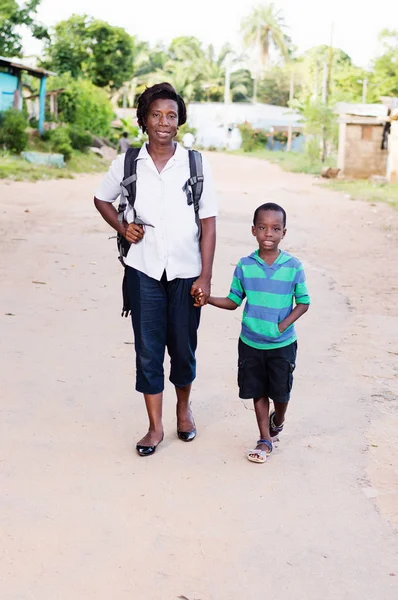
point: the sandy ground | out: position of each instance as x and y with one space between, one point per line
83 518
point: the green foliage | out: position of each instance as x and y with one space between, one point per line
80 140
87 47
13 15
135 134
13 134
83 104
274 87
265 27
61 142
384 80
252 139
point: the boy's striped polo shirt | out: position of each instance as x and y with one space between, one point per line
270 292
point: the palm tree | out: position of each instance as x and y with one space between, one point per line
263 28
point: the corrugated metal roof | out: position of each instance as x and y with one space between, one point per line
361 110
18 64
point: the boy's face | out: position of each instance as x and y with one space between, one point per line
269 230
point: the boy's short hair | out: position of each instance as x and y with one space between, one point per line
163 91
270 206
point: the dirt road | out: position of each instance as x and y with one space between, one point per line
84 518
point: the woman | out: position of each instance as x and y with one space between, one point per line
166 263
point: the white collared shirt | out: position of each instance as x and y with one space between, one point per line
170 242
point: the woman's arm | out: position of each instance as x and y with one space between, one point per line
207 249
133 233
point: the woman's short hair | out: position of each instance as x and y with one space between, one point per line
163 91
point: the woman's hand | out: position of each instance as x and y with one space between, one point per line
201 287
134 233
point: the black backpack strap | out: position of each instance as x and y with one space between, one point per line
194 186
128 190
129 183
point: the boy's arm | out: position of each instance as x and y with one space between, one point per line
296 313
226 303
301 298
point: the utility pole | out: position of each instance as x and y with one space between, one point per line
257 61
327 77
227 96
290 128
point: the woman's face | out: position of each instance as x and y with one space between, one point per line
162 121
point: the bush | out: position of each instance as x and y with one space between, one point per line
80 139
61 142
84 105
13 133
252 139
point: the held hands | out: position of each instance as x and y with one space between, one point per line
200 291
199 298
134 233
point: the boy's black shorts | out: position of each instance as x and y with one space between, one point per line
266 373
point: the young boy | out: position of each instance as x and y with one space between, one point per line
273 283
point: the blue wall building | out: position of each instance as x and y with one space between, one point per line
11 85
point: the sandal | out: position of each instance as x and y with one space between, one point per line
274 430
260 456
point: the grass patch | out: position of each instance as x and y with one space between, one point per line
367 190
15 168
295 162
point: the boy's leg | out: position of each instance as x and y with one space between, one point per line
280 411
261 407
281 363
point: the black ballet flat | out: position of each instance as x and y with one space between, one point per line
147 450
187 436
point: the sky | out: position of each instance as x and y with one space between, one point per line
217 21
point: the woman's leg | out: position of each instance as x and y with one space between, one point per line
185 421
149 319
182 328
153 404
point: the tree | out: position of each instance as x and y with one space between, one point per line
87 47
12 16
68 49
183 68
263 28
111 59
82 104
346 81
385 67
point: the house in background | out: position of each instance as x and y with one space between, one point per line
215 121
11 85
362 152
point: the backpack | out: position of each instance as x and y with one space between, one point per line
193 189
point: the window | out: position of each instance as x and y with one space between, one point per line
367 131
